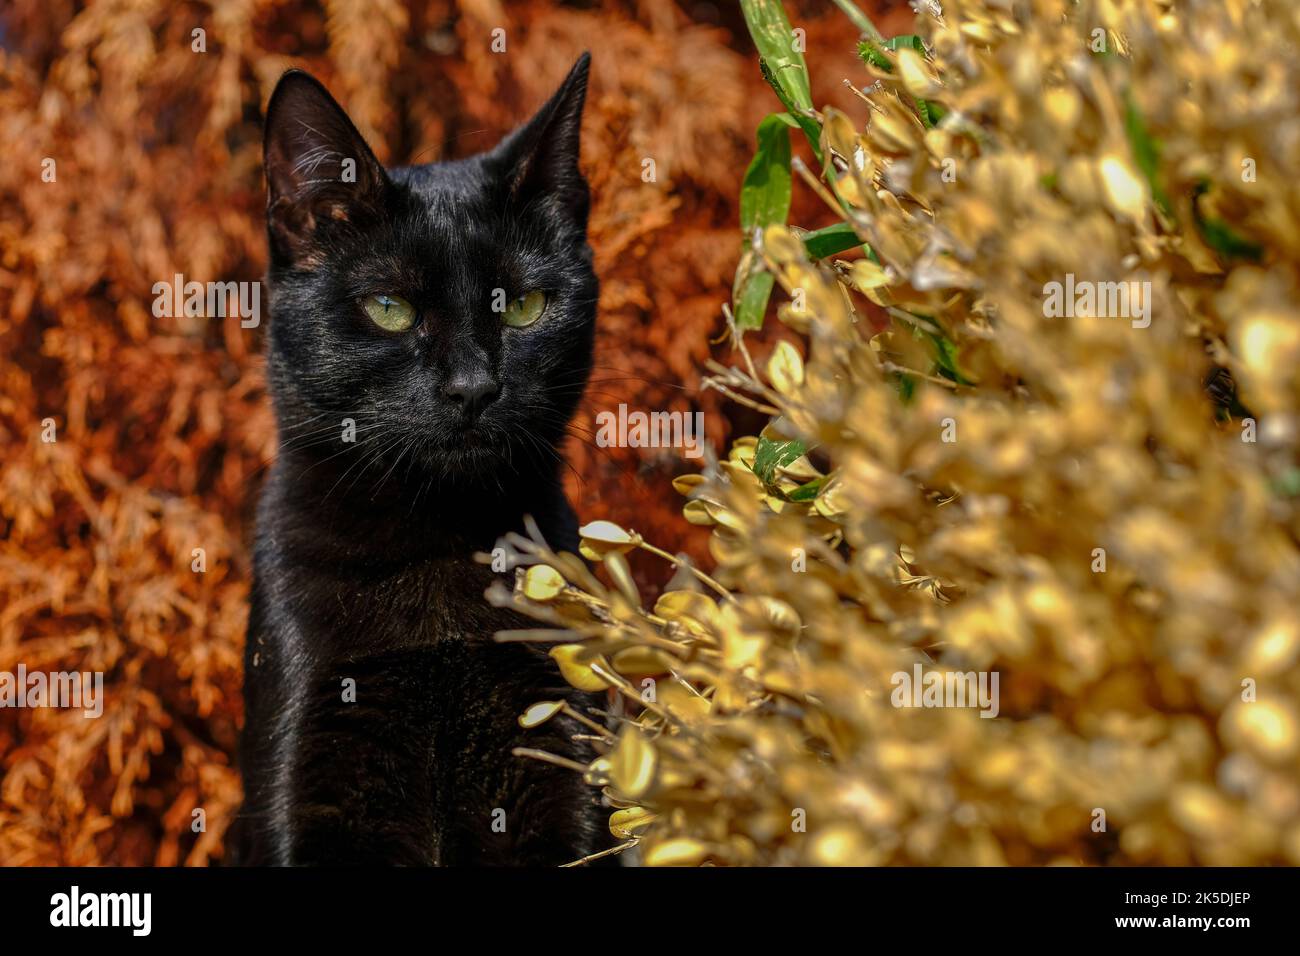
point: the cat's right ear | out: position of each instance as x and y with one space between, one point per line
318 167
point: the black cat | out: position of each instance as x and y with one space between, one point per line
430 337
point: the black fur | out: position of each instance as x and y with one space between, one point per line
363 564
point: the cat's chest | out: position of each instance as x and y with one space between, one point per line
414 604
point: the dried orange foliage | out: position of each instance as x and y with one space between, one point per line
162 425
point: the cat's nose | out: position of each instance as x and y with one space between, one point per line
473 392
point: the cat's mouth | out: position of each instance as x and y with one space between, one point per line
467 451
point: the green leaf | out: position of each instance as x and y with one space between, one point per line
765 190
860 19
771 455
945 352
1287 484
812 130
946 358
1219 236
832 239
782 66
1146 152
894 44
931 113
751 303
872 52
807 491
764 201
774 39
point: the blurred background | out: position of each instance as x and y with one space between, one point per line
151 112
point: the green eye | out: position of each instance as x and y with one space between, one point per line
525 310
389 312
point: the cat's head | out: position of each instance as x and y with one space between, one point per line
447 309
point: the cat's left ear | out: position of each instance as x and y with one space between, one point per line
540 158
